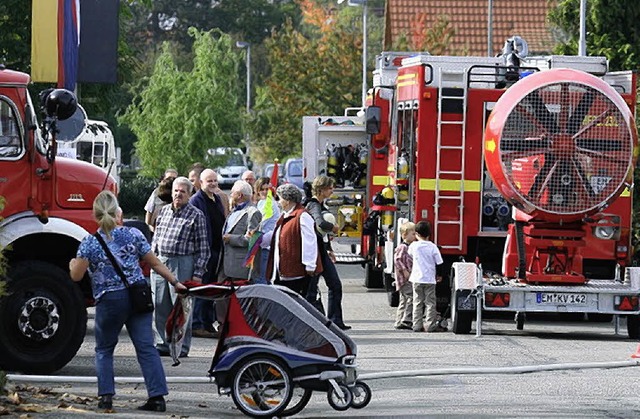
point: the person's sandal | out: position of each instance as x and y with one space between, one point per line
154 404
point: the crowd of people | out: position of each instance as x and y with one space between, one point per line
201 235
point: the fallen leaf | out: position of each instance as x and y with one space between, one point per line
14 398
31 408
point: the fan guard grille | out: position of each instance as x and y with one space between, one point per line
565 148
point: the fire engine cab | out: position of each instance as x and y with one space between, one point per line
46 211
524 167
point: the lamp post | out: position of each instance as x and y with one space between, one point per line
362 3
243 45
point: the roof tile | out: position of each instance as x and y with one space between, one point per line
526 18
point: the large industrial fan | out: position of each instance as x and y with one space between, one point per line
560 146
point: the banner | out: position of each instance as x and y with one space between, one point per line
74 41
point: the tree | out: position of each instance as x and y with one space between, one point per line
424 36
613 30
312 73
188 112
15 36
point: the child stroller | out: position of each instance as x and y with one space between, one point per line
275 349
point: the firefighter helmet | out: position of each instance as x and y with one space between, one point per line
387 192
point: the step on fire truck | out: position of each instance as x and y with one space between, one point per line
47 211
524 167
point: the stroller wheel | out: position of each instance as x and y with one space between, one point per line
299 401
339 401
262 387
361 395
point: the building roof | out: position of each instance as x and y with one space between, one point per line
525 18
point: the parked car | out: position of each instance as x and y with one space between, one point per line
236 164
293 172
268 171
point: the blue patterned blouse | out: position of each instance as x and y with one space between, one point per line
128 247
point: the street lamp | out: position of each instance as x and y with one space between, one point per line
243 45
362 3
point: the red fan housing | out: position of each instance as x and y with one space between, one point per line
560 146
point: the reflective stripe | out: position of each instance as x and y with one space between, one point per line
449 185
380 180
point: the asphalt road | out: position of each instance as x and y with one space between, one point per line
610 393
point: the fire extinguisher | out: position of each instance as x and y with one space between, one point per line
332 161
386 218
403 166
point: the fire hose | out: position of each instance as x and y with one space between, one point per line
367 376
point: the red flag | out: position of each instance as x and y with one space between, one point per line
274 175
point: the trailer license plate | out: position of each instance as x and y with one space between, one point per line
561 298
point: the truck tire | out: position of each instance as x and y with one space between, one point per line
43 320
460 319
633 326
373 276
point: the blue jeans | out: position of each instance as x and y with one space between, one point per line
331 278
165 296
261 259
112 312
204 313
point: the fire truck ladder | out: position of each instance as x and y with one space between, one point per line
450 79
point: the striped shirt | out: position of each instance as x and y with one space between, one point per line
403 264
182 232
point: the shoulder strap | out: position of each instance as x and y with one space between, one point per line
114 263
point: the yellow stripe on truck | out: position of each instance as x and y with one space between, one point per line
381 180
449 185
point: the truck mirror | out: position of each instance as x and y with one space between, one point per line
372 119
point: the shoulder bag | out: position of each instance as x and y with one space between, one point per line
139 292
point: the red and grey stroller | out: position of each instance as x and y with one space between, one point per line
275 349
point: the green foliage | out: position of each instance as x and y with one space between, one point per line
316 74
134 193
15 36
188 112
612 26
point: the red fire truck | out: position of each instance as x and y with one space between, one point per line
47 211
523 166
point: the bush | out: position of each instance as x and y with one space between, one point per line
134 193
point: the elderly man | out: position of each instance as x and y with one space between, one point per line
181 244
249 177
209 202
240 225
294 259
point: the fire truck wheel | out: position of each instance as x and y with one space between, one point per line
373 277
43 320
460 319
633 326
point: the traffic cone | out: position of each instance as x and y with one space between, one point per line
637 354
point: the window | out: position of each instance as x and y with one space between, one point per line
10 141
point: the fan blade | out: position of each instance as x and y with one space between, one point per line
580 111
600 144
543 115
524 144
